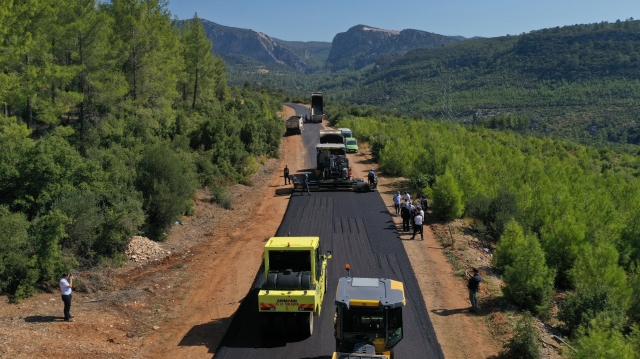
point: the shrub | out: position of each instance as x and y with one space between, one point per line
524 343
377 143
14 259
420 182
634 308
447 198
494 213
582 306
166 181
222 196
529 282
600 338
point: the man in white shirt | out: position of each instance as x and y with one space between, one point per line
423 219
65 289
407 197
417 226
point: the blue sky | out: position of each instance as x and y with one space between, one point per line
321 20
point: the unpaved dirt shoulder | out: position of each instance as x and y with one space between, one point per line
178 306
226 264
460 334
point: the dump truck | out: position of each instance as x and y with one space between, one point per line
317 112
331 136
368 318
295 283
294 124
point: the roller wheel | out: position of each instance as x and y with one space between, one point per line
277 325
265 326
305 324
290 325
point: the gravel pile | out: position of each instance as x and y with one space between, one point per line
142 249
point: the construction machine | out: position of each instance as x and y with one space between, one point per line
295 283
368 319
294 124
317 112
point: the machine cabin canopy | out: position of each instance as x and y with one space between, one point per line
375 293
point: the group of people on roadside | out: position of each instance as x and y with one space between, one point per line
412 213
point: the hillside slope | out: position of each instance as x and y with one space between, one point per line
361 45
578 81
259 46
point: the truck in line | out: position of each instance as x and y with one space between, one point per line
317 111
294 124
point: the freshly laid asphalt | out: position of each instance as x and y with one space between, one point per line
358 229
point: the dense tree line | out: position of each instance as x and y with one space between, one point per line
577 82
563 216
111 117
573 82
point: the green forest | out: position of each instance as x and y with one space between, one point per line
562 216
111 118
577 82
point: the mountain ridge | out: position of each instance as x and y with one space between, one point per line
356 48
362 45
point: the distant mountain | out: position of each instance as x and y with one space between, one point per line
362 45
579 81
314 53
236 41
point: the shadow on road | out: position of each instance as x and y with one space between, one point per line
284 191
448 312
43 319
201 335
243 331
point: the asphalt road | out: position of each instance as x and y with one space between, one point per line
359 230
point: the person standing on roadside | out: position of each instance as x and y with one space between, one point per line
405 214
411 209
396 202
407 197
66 282
306 183
424 203
473 285
286 175
417 225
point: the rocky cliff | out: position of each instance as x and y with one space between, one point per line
236 41
361 45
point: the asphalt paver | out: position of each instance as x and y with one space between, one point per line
358 229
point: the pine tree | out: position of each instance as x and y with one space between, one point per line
447 197
200 65
597 267
600 340
529 282
149 46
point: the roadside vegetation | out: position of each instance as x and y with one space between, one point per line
561 216
574 82
111 118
